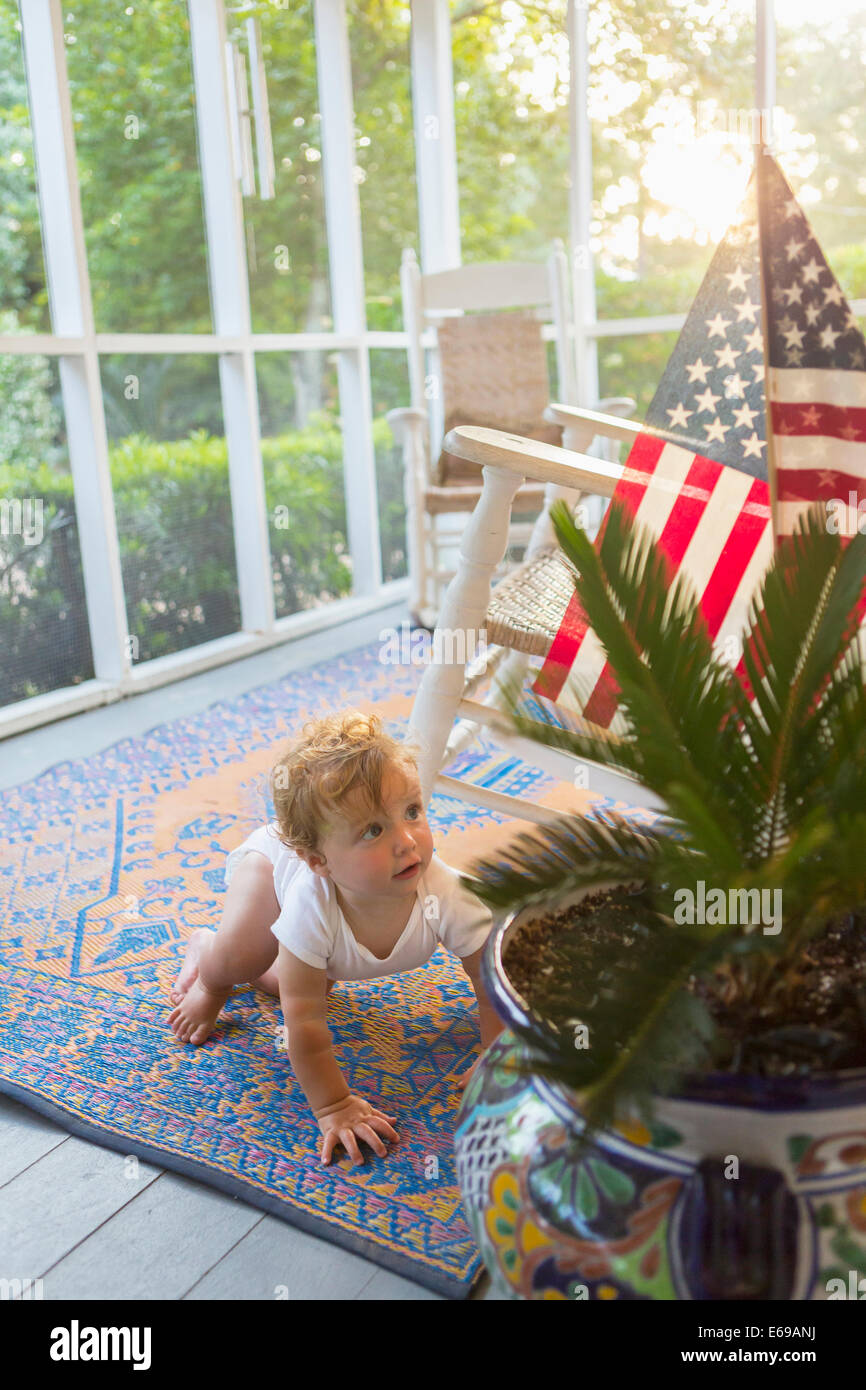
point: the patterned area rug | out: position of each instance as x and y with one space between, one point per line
108 863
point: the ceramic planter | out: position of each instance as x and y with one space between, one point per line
741 1188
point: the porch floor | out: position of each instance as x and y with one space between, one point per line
68 1213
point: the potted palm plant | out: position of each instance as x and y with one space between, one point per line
676 1108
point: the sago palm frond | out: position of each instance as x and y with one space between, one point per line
632 1026
573 852
675 704
799 628
765 789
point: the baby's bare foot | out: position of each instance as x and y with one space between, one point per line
189 970
196 1015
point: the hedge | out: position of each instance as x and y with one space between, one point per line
174 521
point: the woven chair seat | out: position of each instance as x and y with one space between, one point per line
527 606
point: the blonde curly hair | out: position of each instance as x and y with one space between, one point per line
330 758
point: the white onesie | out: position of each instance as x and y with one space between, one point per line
314 929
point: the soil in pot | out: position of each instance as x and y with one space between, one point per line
812 1018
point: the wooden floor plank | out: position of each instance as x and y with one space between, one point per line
386 1287
276 1261
157 1247
24 1138
55 1203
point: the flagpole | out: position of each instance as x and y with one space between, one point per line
765 94
772 481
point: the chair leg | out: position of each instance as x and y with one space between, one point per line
462 618
513 672
487 663
466 731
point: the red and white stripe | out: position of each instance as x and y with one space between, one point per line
712 522
819 441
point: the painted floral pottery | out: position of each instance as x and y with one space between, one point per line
742 1187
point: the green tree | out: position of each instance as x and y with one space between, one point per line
138 164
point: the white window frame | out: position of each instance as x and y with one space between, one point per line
77 346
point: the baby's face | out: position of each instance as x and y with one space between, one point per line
382 853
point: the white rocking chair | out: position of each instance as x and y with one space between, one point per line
501 377
520 616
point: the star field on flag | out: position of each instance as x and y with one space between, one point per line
711 396
697 474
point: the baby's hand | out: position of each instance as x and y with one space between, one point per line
355 1116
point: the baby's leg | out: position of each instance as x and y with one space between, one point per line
241 951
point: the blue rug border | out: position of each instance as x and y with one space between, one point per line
452 1288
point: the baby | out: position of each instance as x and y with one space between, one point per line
343 885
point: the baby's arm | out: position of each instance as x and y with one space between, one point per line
341 1115
491 1024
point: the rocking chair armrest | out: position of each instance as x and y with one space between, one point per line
545 463
610 426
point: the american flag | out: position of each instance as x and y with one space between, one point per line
697 473
817 366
